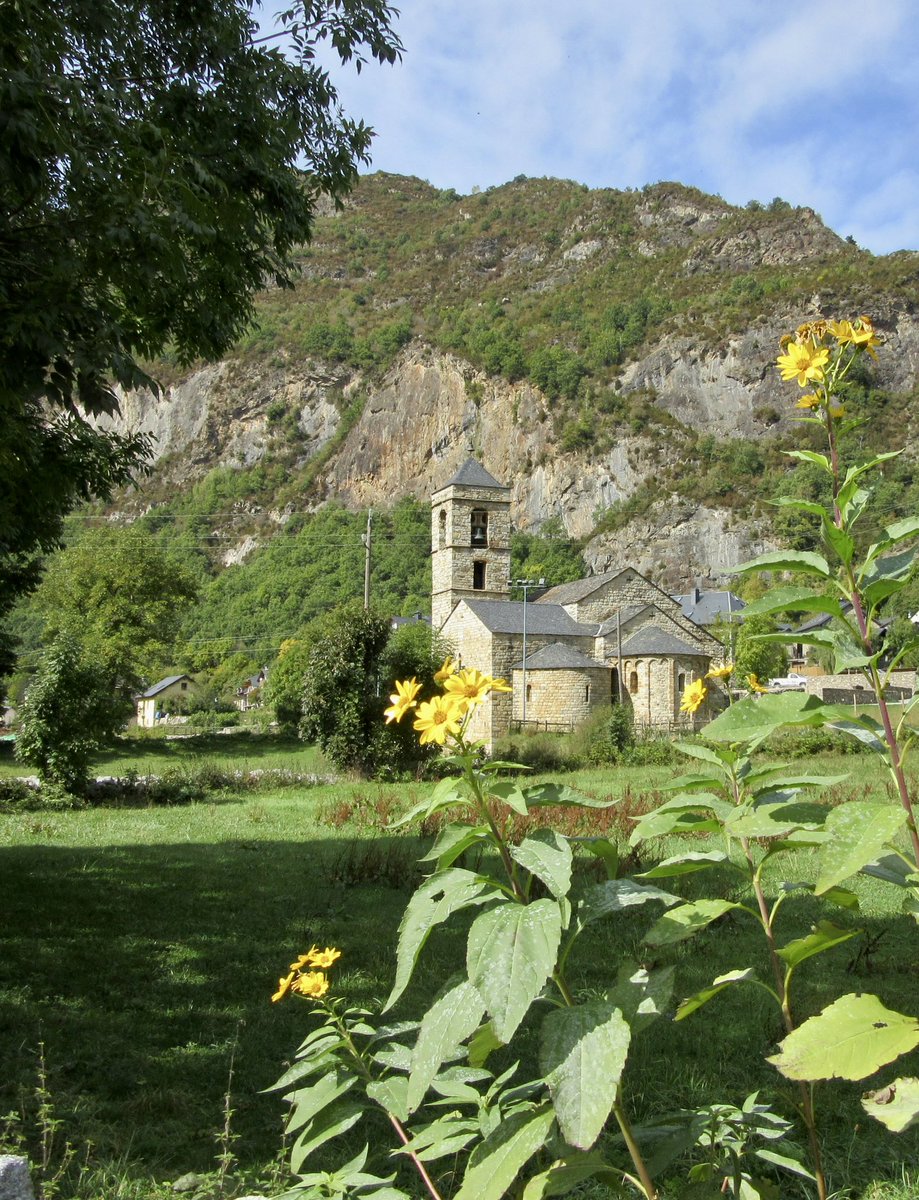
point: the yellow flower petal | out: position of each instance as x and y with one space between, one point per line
313 984
721 671
448 669
693 696
438 718
284 986
402 699
324 958
754 684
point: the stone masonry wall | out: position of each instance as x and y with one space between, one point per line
631 589
561 696
453 554
657 693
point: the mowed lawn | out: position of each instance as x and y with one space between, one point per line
140 947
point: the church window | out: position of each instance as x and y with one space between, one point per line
614 685
680 683
442 528
529 693
478 576
587 693
633 682
479 530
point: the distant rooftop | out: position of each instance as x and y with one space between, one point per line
506 616
558 657
473 474
705 608
162 685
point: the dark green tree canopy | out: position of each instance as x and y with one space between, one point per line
159 160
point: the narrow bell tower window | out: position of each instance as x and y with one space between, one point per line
478 576
479 529
442 529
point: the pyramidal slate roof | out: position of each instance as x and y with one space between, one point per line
571 593
657 641
506 616
161 686
473 474
558 657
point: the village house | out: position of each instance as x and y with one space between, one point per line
611 638
153 704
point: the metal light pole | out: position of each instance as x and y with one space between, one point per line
525 584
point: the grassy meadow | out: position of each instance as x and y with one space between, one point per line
141 945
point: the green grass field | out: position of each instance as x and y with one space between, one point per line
140 947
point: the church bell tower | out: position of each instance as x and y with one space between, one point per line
470 540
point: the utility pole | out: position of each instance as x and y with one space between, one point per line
525 584
365 538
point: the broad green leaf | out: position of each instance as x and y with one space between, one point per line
641 995
685 864
566 1173
511 952
896 1106
862 731
483 1043
452 841
582 1055
718 756
857 832
391 1094
798 599
682 818
805 561
773 819
445 892
892 869
784 1161
512 795
448 791
773 778
839 540
308 1101
692 784
692 1003
811 456
604 849
908 527
686 921
495 1163
751 720
330 1123
447 1135
542 795
445 1025
824 936
851 1039
808 506
547 855
614 895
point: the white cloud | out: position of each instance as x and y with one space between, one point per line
813 102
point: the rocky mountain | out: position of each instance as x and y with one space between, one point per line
607 353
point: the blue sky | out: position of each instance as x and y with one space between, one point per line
816 101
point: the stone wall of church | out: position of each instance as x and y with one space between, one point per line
560 697
631 589
653 686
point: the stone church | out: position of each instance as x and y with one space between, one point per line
611 638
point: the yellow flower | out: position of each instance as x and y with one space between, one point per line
469 685
448 669
721 671
808 401
812 331
863 335
754 684
403 698
323 958
842 331
803 361
438 717
693 695
836 410
283 987
313 984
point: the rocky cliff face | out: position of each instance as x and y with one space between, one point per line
418 420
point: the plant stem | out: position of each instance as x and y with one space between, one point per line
634 1153
416 1161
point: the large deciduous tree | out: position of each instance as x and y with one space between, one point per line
159 161
121 597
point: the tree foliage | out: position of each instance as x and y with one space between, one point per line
159 162
70 711
351 666
121 598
